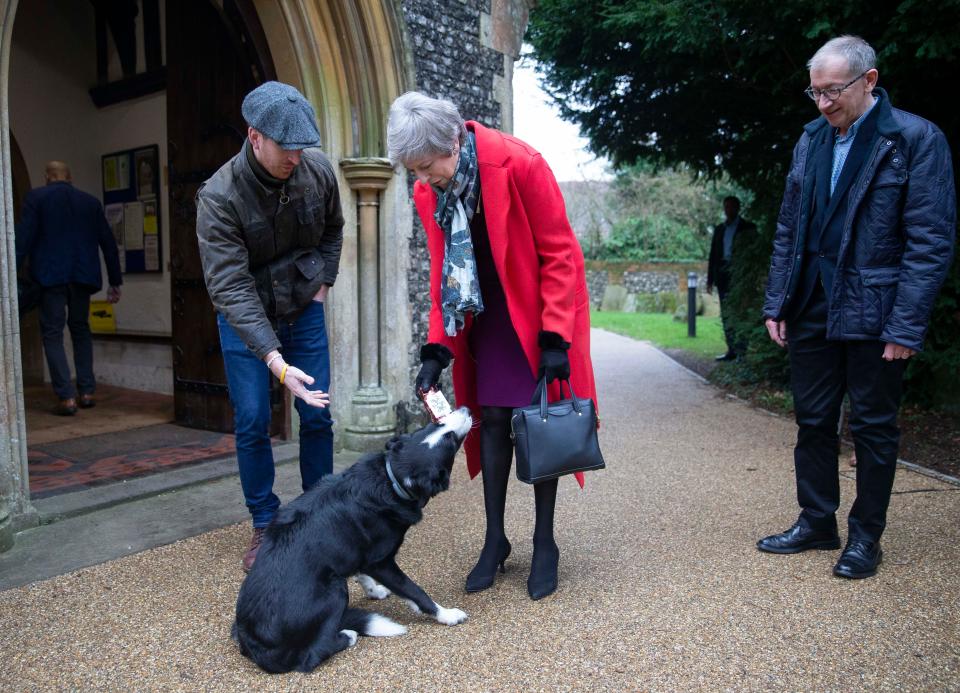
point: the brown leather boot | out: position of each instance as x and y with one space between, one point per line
66 407
251 555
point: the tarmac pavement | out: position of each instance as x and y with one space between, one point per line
661 586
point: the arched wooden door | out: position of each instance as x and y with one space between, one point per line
216 53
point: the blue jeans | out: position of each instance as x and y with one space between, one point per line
67 305
304 345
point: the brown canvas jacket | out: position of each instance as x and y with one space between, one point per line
266 252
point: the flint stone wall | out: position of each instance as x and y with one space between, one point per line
450 62
640 281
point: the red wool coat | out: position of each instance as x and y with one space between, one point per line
538 261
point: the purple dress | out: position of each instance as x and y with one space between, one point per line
503 372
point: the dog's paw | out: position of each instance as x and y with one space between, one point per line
351 636
382 627
450 617
372 588
377 592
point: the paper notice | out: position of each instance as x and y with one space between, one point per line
123 171
116 173
150 216
133 225
110 181
151 252
114 214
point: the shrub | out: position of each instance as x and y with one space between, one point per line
655 237
649 303
931 379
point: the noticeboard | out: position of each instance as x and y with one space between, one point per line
131 201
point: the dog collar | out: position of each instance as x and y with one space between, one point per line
398 489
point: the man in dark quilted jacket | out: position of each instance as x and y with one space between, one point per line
864 240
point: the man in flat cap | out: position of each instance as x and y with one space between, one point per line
270 230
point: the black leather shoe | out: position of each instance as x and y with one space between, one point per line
859 559
799 538
729 356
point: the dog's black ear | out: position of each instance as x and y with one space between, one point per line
395 443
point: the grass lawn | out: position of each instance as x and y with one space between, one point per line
662 330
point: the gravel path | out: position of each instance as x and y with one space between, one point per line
661 586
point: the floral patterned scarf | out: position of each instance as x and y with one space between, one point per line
460 288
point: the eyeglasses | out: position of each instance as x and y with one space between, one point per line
832 93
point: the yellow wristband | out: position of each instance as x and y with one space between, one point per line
283 373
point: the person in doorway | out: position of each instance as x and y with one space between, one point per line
62 231
508 298
270 229
729 238
864 240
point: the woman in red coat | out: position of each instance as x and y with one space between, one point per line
508 298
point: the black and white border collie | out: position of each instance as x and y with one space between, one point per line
292 611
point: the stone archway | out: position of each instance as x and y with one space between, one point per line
348 58
15 509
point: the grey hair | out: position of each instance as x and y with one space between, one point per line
420 126
859 55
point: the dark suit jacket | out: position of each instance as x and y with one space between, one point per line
718 271
61 230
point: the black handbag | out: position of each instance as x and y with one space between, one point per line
556 438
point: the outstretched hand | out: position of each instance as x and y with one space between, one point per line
296 381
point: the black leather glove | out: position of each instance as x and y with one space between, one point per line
554 361
433 358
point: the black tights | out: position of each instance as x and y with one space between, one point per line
496 458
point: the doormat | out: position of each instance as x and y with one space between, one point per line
82 463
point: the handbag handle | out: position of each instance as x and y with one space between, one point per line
540 393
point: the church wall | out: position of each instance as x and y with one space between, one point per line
450 61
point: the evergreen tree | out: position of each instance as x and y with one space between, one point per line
718 85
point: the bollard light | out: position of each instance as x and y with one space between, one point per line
691 304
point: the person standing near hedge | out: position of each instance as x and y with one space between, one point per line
864 240
508 299
728 239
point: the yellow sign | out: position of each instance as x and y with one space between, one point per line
102 319
150 224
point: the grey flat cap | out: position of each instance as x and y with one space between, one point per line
283 114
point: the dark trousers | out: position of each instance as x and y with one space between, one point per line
67 305
726 319
821 371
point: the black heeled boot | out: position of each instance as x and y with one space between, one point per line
546 554
496 456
